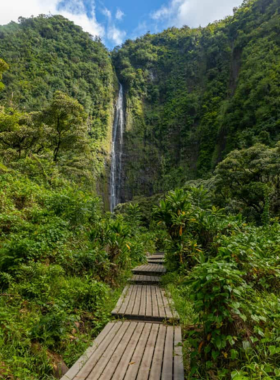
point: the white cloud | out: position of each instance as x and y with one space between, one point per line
194 12
116 35
119 15
107 13
11 10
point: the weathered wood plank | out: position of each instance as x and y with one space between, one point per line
73 371
149 269
144 280
149 308
106 355
169 314
155 261
146 302
121 370
121 299
113 362
155 257
138 354
143 301
133 351
161 308
156 366
126 298
178 355
167 367
135 310
90 364
155 303
145 365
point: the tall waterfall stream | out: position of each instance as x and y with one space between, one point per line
117 147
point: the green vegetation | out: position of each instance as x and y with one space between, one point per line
194 95
202 120
63 261
225 279
47 55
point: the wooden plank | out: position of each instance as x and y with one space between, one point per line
113 363
143 302
137 357
168 312
73 371
161 308
167 367
143 279
131 302
90 364
156 367
150 269
149 308
178 355
106 355
154 302
121 299
127 356
137 300
172 307
153 262
125 302
145 366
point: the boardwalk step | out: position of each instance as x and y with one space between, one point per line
158 261
145 280
155 257
150 270
145 302
132 351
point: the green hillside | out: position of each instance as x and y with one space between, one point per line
200 181
49 54
193 95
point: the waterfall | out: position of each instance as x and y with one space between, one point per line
117 146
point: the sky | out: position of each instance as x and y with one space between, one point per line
117 20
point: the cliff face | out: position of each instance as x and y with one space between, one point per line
193 95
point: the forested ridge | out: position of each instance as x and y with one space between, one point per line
47 55
194 95
200 181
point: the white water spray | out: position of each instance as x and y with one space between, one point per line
117 147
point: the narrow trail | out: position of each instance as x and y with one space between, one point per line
144 344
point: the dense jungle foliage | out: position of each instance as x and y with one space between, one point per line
202 109
194 95
62 259
224 274
50 54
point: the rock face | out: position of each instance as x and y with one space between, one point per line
194 95
60 369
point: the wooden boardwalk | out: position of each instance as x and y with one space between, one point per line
144 280
155 261
132 351
155 257
145 302
150 269
140 348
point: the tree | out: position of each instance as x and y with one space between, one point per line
3 67
66 120
18 134
251 177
